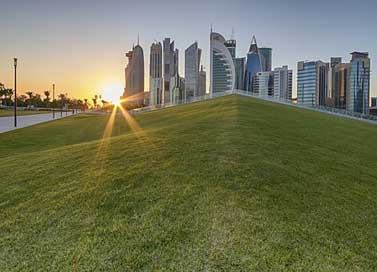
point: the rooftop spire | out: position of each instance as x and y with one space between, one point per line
253 45
137 39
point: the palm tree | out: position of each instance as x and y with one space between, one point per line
95 101
47 94
30 94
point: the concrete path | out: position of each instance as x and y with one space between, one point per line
7 123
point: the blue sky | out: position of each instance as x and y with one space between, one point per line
80 45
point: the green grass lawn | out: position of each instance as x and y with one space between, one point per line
232 184
4 113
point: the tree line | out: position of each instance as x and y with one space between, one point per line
31 99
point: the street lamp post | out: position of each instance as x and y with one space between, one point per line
53 99
15 91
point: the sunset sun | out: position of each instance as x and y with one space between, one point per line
112 93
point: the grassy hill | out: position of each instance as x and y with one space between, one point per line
232 184
5 113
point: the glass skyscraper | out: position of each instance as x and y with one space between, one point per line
223 75
312 80
253 65
240 73
192 64
359 84
266 59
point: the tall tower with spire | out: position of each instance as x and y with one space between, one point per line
253 65
134 76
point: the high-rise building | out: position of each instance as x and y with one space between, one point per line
170 67
192 64
231 45
155 71
253 65
374 102
202 82
266 58
282 83
223 75
359 83
338 82
240 73
134 77
262 84
312 82
177 89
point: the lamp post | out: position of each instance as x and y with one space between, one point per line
15 91
66 104
53 99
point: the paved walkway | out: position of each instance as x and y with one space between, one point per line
7 123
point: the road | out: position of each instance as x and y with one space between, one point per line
7 123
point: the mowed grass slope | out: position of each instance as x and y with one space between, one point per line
5 113
232 184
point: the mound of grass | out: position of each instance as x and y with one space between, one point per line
232 184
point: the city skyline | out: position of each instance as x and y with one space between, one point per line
83 55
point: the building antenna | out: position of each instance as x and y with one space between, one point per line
211 28
137 39
232 36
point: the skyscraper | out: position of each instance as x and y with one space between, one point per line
155 71
202 82
170 67
312 82
253 65
282 83
223 75
134 77
177 89
192 64
338 82
262 84
266 58
359 83
240 73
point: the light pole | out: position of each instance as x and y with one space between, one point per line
53 99
66 104
15 92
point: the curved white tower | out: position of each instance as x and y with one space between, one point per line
223 73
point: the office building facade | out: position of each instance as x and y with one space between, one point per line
266 58
155 72
192 65
170 67
312 82
240 73
202 82
282 80
338 82
263 85
253 65
134 77
359 83
222 69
